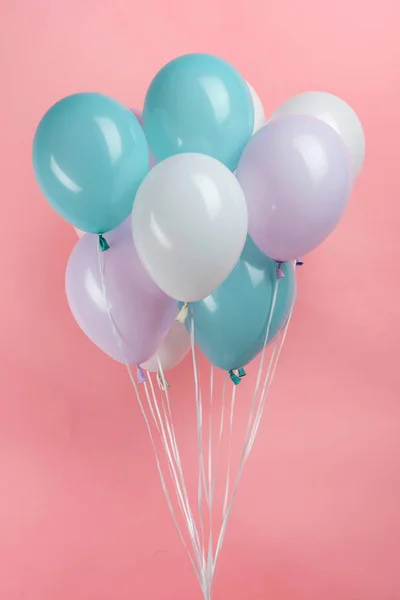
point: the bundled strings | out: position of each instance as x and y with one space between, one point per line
202 539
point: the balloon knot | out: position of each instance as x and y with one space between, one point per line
299 262
103 243
279 271
141 377
162 382
183 313
234 378
242 372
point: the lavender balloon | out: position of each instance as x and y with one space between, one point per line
296 176
142 313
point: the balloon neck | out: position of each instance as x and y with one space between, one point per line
162 382
279 271
183 313
103 244
141 377
299 262
242 372
234 378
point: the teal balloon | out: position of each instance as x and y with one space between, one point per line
230 325
90 156
199 103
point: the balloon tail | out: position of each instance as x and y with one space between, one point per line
299 262
234 378
183 313
141 377
279 271
162 382
242 372
103 244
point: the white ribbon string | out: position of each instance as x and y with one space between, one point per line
228 471
201 486
228 506
204 562
118 338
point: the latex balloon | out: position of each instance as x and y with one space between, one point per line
199 103
296 176
172 350
142 313
79 232
90 155
189 224
230 325
259 115
335 112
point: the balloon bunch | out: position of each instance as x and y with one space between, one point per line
191 213
199 208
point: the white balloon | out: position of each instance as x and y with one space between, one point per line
259 114
189 224
336 113
172 351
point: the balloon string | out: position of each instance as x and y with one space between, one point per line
266 387
210 430
183 501
249 441
177 456
201 486
193 527
267 384
228 472
181 493
228 508
118 338
210 557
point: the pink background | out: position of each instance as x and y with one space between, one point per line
82 516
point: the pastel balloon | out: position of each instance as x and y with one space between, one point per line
230 325
335 112
259 114
296 176
90 155
199 103
142 313
172 350
189 224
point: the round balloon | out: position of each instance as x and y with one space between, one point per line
259 115
296 176
230 325
172 350
189 224
142 313
335 112
90 155
199 103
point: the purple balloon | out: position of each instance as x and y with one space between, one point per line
142 313
296 176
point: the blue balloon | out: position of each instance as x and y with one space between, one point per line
230 325
199 103
90 155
